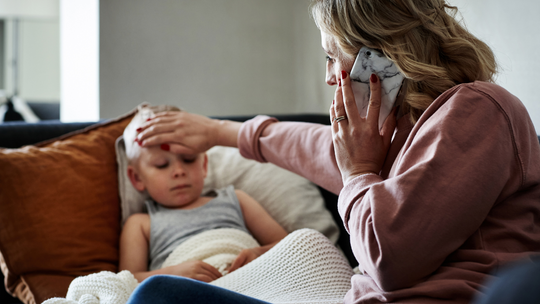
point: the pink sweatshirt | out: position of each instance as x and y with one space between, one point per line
459 194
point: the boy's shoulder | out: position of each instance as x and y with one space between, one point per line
239 192
137 219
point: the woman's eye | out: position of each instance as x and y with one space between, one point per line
329 59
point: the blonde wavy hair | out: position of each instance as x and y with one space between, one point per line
430 47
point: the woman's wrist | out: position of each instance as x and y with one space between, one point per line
226 132
347 179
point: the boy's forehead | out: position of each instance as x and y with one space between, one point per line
146 152
157 151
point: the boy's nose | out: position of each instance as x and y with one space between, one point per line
179 171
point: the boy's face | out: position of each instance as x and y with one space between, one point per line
172 180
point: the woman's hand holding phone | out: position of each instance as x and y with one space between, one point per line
360 146
368 62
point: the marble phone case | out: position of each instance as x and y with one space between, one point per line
369 62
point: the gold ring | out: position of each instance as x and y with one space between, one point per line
339 118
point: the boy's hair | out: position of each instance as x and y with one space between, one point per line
144 112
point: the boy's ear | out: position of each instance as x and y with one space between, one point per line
135 179
205 164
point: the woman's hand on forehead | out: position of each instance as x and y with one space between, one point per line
178 132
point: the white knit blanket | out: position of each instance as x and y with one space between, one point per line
104 287
217 247
305 267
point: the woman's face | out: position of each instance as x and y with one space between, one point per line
336 60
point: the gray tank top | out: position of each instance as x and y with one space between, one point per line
171 227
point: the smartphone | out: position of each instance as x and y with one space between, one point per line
369 62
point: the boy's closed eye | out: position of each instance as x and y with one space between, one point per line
185 159
162 165
188 159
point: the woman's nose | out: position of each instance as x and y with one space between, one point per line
330 77
331 80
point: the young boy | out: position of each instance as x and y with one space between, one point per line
177 211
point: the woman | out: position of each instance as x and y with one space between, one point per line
445 193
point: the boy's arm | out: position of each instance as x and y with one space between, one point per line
261 225
134 244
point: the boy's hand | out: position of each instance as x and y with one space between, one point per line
245 256
197 270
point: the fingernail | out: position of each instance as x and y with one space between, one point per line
139 142
165 147
343 74
333 102
339 83
374 78
148 119
139 130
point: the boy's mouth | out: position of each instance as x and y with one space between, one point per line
179 187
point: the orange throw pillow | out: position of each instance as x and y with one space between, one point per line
59 211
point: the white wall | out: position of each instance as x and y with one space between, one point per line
223 57
510 28
211 57
79 49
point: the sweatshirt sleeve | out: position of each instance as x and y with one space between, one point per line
456 162
303 148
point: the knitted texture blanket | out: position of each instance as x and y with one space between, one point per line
217 247
304 267
104 287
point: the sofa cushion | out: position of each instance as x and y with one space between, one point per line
59 211
293 201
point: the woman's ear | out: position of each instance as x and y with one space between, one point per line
135 179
